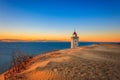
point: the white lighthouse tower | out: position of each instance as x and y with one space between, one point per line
74 40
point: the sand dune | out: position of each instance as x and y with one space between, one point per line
96 62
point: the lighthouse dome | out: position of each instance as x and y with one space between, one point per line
74 33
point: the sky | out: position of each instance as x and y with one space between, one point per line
36 20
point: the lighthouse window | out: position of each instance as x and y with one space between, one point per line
75 40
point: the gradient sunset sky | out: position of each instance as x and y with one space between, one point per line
94 20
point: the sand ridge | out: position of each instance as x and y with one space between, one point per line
96 62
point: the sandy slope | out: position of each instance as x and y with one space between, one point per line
96 62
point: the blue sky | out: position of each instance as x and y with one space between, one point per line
56 19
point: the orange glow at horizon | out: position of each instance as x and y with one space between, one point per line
86 37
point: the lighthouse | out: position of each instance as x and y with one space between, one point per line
74 40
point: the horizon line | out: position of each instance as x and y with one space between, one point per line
43 40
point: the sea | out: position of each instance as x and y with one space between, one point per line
30 48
